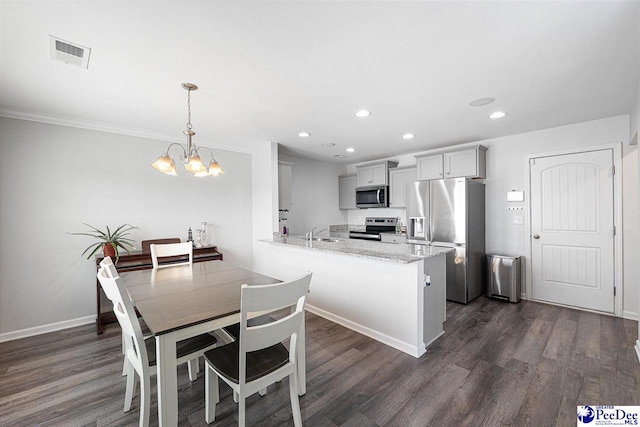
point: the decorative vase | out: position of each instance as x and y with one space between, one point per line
108 250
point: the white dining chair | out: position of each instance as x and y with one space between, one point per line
111 271
140 352
258 358
171 250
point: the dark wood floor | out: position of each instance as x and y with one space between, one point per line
498 364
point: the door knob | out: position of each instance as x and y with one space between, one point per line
536 236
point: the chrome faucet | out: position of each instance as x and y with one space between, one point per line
309 235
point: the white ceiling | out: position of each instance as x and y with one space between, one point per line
270 69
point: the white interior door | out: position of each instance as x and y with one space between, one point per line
572 229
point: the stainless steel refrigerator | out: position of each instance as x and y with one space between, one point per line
450 212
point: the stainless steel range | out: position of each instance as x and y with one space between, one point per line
375 226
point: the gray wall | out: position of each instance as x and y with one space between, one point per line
53 178
314 194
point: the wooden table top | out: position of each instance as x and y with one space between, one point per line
177 297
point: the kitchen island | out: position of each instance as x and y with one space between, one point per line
394 293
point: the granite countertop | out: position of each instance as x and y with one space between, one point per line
403 253
345 228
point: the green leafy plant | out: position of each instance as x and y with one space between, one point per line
117 239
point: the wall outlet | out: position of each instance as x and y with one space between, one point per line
517 220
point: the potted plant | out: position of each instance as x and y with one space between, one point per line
110 242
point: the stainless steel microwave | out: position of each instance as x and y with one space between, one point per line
372 197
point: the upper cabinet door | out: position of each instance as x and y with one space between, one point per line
379 174
430 167
365 176
375 174
461 163
398 180
347 192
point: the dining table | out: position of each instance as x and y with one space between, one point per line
180 302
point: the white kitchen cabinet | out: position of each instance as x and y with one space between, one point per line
374 174
347 192
284 185
393 238
430 167
339 234
465 163
398 180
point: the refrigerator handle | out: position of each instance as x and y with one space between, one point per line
378 195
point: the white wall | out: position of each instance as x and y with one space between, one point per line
264 193
77 175
314 194
506 170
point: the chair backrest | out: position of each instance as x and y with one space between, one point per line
110 270
268 298
125 313
171 250
146 244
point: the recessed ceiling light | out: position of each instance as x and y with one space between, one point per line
363 113
304 134
339 156
328 144
408 136
350 150
497 115
481 101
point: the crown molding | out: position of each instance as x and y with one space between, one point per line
73 122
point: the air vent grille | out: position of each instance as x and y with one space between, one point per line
69 53
69 48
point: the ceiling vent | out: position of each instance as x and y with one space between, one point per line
70 53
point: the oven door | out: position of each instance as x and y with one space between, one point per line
372 197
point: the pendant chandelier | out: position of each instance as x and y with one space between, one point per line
191 155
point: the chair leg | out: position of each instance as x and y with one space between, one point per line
145 399
295 403
241 409
193 369
211 394
262 391
130 388
124 352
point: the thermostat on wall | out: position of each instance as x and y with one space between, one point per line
515 196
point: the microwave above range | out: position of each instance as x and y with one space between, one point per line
372 197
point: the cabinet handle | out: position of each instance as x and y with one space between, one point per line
440 173
536 236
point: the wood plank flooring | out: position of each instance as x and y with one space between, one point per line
498 364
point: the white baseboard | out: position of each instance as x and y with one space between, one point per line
51 327
637 347
414 351
630 315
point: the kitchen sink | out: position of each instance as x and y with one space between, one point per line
326 239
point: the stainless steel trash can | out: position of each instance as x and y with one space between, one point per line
503 281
